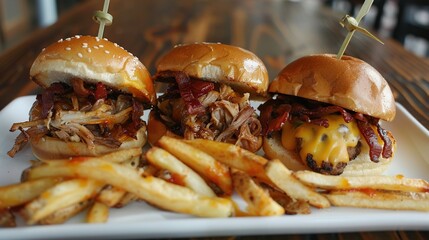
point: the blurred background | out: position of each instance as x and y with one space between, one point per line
407 21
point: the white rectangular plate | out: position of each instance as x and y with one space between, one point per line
140 220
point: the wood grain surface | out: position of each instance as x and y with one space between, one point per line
277 31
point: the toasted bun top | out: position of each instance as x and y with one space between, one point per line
93 60
349 83
237 67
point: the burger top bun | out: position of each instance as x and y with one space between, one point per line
349 83
215 62
93 60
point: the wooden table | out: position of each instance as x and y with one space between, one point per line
277 31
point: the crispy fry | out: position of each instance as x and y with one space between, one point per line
201 162
233 156
259 202
98 213
7 219
180 172
20 193
119 156
283 178
64 214
368 182
153 190
395 200
60 196
291 206
110 195
126 199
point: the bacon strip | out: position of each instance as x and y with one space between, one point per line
387 147
273 117
371 138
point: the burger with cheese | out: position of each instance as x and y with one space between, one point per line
326 117
208 95
92 102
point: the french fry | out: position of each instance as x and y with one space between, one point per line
98 213
259 202
126 199
119 156
291 206
368 182
60 196
7 219
394 200
233 156
283 179
110 195
153 190
20 193
201 162
164 160
64 214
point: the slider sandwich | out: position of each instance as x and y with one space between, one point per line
94 94
210 85
326 116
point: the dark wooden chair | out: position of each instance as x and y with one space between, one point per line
407 23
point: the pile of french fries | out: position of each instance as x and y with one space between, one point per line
195 177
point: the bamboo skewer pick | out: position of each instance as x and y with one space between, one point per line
352 25
103 18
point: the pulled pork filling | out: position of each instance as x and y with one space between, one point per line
276 112
83 112
194 108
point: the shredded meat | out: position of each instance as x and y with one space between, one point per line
83 112
221 113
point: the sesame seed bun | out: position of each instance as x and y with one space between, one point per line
93 60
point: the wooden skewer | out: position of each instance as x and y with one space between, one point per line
103 18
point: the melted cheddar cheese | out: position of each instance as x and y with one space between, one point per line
324 144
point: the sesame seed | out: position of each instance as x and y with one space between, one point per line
60 40
80 55
97 39
101 45
68 48
84 46
89 50
115 44
43 49
106 51
68 39
77 36
105 39
95 47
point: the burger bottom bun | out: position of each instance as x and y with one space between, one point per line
156 129
360 166
49 148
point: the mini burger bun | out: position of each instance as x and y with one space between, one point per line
215 62
349 83
93 60
49 148
360 166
